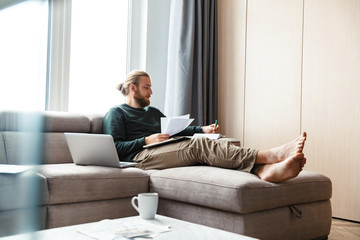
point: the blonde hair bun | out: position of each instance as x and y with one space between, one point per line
131 78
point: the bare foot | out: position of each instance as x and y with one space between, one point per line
284 170
282 152
302 164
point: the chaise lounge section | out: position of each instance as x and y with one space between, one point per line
240 202
67 194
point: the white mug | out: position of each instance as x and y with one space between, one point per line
148 204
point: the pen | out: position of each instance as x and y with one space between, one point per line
215 126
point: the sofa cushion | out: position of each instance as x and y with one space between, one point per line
21 121
96 123
34 148
22 190
70 183
23 147
55 149
44 121
237 191
3 159
66 122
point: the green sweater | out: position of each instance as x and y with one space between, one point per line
129 126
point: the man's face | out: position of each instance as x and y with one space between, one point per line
143 92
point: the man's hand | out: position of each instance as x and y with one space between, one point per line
158 137
210 128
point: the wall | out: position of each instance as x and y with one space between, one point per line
292 66
231 63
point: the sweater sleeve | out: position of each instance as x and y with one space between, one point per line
114 124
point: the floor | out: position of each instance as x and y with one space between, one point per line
344 230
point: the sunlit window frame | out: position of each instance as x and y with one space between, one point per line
60 47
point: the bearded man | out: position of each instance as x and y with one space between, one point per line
135 124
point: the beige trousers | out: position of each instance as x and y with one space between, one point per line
195 151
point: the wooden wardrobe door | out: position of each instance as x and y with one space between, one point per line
331 98
273 72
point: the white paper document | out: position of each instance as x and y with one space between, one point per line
112 229
174 125
14 169
212 136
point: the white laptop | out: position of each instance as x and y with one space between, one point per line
94 149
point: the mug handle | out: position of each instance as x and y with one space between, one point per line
134 205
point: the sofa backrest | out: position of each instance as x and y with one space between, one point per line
38 137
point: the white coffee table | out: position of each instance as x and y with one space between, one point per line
179 230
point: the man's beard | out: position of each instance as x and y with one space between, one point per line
142 101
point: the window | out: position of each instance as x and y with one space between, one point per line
23 55
98 54
64 55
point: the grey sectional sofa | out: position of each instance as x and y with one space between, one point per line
58 193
